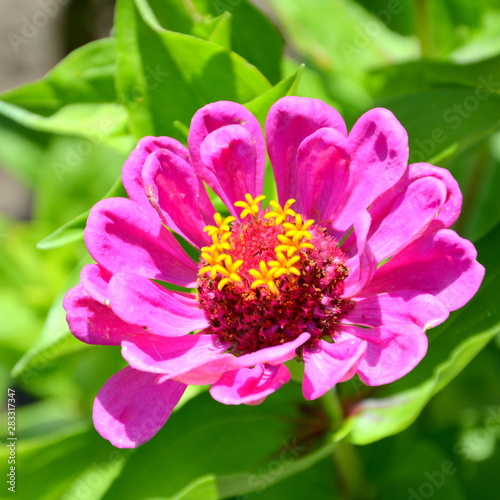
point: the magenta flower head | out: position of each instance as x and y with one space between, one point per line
344 273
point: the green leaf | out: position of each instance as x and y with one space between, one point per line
209 451
65 465
79 119
477 170
261 104
16 138
252 35
73 230
84 76
427 470
452 346
54 339
220 30
341 41
417 76
166 76
445 118
317 482
76 97
68 233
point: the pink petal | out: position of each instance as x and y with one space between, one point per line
122 237
177 194
231 165
132 407
95 280
219 114
289 122
392 352
92 322
327 364
451 209
132 168
210 372
441 264
404 307
173 357
408 217
322 172
379 154
362 264
274 355
249 385
137 300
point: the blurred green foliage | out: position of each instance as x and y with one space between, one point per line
435 64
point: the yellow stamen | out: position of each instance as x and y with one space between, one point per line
289 246
284 266
299 230
222 226
251 206
264 277
280 214
209 269
229 271
218 245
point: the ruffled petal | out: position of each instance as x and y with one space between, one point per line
210 371
441 264
173 357
453 204
327 364
379 154
122 237
249 385
132 407
274 355
95 280
392 352
142 302
289 121
322 173
92 322
408 217
231 165
178 195
362 264
219 114
403 307
132 168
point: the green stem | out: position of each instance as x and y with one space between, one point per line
424 28
351 478
333 409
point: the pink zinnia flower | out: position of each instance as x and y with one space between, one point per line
344 274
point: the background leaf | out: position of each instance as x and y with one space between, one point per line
165 76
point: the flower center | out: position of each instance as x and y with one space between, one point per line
271 277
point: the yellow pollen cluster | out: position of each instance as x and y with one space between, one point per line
251 206
264 277
299 230
219 262
284 266
279 214
222 226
